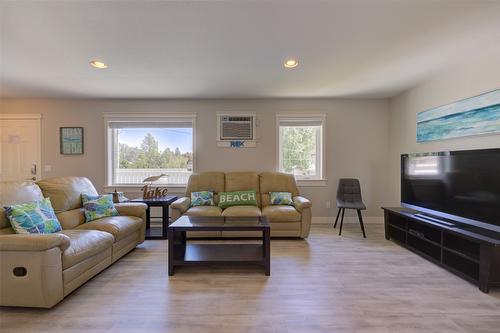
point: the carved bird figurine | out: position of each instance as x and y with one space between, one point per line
152 179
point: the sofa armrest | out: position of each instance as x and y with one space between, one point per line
181 204
303 205
137 209
300 203
33 242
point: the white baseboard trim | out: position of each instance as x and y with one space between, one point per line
347 219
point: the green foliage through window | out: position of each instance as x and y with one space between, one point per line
298 149
149 156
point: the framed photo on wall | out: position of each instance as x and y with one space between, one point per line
71 140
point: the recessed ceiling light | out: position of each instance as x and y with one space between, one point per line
291 63
98 64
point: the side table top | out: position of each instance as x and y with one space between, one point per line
168 199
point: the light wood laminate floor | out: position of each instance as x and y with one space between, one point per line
325 284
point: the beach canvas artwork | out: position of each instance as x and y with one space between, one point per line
472 116
71 140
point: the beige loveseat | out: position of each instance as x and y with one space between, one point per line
286 221
39 270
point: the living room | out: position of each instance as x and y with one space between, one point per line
361 73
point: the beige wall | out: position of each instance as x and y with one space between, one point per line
357 137
460 81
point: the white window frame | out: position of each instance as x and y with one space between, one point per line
320 179
141 117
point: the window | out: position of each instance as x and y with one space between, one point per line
141 147
300 146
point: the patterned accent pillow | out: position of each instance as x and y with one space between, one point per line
202 198
33 218
280 198
97 206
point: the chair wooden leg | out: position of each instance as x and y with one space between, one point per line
341 221
336 220
361 222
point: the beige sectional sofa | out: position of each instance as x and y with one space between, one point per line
286 221
39 270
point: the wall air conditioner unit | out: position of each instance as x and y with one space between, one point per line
236 130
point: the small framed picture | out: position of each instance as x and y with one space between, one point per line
71 140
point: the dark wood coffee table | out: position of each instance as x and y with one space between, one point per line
182 252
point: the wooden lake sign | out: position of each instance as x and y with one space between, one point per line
148 192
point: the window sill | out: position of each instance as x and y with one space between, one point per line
312 182
137 188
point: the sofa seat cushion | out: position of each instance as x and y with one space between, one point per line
118 226
281 213
204 211
84 244
242 211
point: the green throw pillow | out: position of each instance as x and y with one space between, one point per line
33 218
202 198
280 198
97 206
239 198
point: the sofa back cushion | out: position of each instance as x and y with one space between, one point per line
276 182
206 181
65 193
243 181
16 192
71 219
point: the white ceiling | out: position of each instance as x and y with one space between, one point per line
235 49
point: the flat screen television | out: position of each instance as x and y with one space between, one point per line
463 186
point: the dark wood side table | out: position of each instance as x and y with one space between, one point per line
164 203
182 253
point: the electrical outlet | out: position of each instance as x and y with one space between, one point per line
328 204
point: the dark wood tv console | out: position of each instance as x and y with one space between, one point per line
457 248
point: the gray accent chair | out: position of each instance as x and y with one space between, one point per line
349 197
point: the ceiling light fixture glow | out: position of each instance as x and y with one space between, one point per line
291 63
98 64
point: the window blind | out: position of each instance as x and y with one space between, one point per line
151 124
300 122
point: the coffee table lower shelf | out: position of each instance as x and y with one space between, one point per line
218 255
193 254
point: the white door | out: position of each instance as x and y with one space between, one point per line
20 147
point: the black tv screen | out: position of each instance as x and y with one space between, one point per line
456 184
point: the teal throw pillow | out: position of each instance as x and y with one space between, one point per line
280 198
33 218
202 198
97 206
239 198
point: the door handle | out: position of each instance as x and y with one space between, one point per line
33 169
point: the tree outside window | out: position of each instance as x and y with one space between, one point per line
139 153
300 147
149 156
